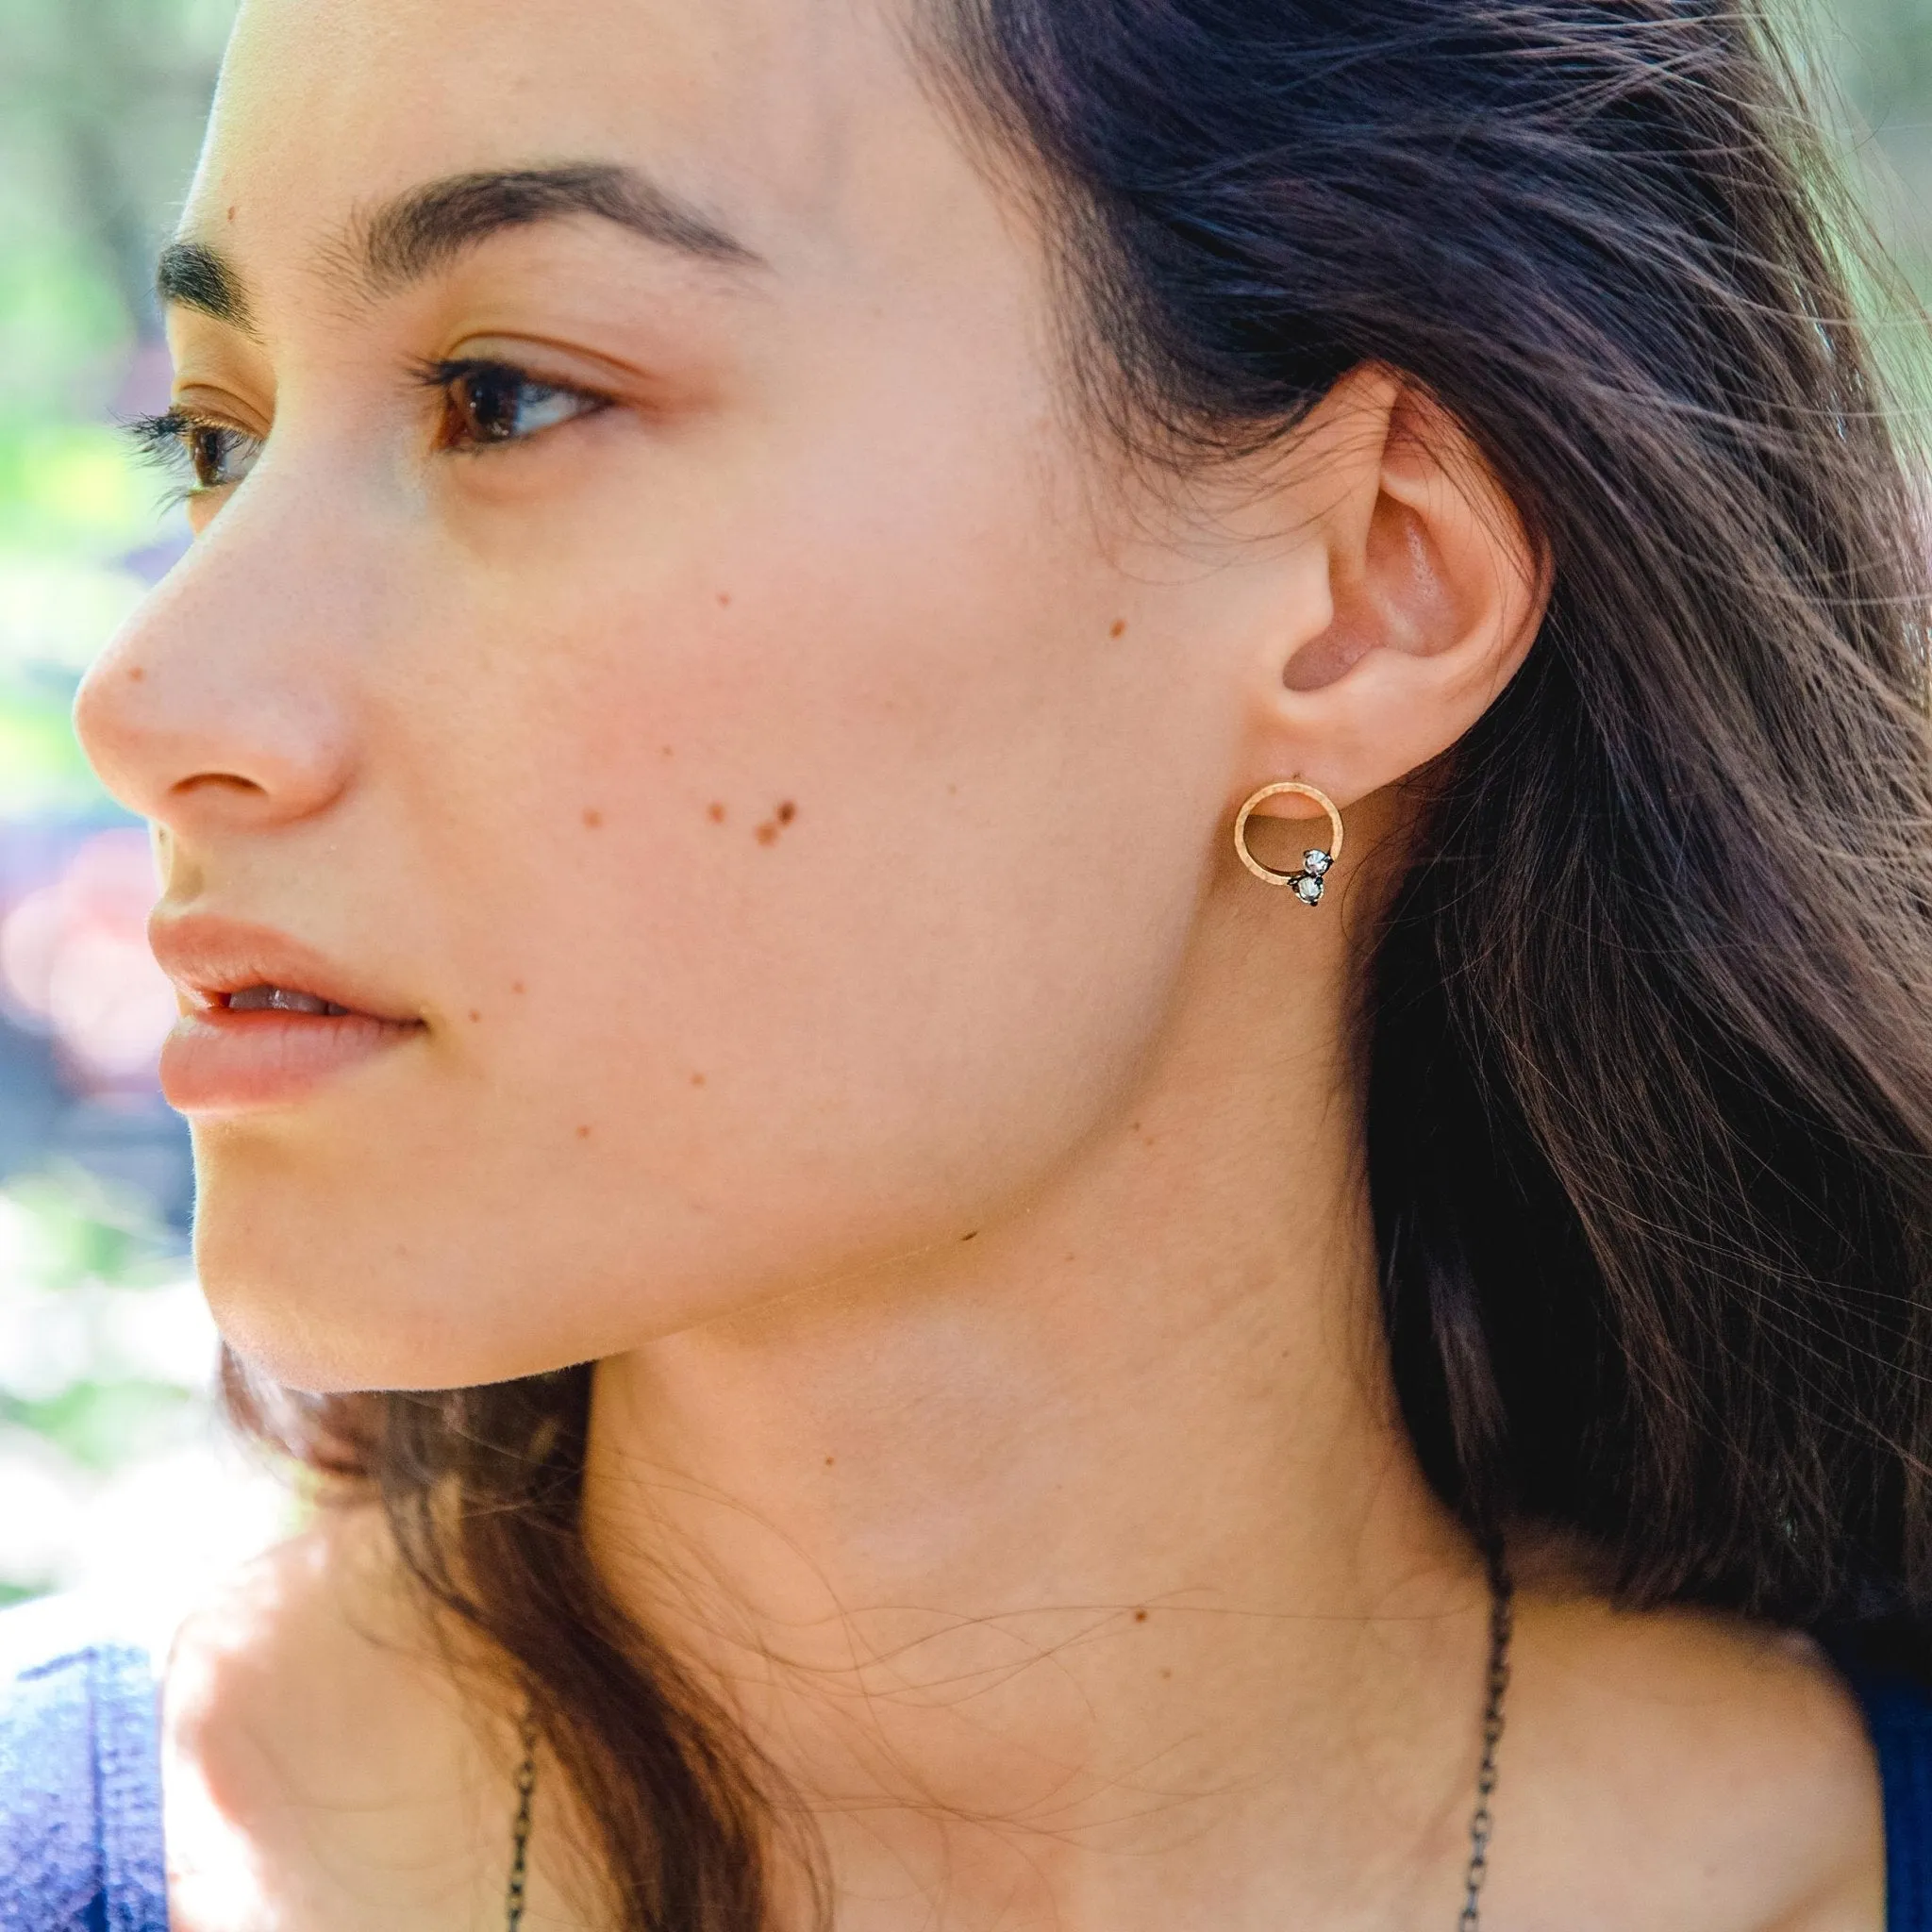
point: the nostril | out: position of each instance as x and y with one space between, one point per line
220 781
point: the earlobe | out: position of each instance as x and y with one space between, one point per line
1436 590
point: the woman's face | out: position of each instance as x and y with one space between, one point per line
656 634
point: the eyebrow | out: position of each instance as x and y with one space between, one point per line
425 228
192 275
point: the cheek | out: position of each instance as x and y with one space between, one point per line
786 897
828 853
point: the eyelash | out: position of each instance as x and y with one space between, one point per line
177 438
474 392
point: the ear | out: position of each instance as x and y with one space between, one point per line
1434 594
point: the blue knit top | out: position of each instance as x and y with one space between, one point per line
80 1797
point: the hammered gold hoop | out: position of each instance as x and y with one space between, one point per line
1307 883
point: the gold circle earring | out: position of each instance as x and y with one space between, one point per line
1307 883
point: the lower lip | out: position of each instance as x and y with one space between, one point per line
219 1061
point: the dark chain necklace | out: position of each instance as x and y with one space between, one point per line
1502 1622
520 1831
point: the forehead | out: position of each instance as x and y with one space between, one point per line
802 124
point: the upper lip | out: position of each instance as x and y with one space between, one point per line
209 958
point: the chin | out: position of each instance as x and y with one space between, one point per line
292 1333
313 1309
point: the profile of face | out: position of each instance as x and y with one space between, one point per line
664 651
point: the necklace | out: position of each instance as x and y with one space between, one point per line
1502 1623
520 1831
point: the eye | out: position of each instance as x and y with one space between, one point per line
208 455
486 403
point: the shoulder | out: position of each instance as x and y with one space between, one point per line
296 1657
1703 1772
320 1730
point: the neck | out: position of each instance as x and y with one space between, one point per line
1092 1533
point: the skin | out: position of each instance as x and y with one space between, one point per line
960 1183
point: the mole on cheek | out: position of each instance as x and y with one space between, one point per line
1119 627
697 1079
717 814
583 1133
475 1015
135 675
593 819
725 600
516 986
768 832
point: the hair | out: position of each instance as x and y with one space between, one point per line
1646 1032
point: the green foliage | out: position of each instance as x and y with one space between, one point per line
101 107
103 1424
67 1228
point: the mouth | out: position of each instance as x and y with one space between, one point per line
279 999
236 966
267 1020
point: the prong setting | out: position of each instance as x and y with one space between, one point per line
1316 859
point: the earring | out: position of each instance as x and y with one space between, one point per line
1307 883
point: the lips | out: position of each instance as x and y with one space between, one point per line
270 1019
231 964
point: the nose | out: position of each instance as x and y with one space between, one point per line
220 705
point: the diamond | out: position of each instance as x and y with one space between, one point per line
1315 862
1307 890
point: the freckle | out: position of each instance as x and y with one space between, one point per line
583 1133
664 751
724 599
516 986
134 675
787 812
1140 1616
828 1462
1165 1672
231 214
1120 627
768 833
973 1237
697 1079
717 814
952 791
593 819
474 1014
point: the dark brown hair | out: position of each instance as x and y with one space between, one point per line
1648 1034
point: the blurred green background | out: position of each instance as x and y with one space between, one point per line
113 1473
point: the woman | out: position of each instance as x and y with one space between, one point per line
1069 862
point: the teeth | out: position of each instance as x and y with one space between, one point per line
279 999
